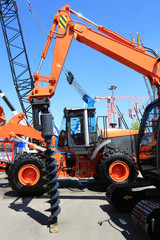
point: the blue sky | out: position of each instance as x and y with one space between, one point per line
94 71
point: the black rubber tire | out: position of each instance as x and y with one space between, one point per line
107 159
7 167
16 185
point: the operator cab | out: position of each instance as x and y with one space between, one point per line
149 143
79 130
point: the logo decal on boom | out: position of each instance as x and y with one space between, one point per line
62 21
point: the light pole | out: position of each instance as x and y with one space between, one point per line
112 88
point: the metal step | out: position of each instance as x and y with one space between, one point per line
79 169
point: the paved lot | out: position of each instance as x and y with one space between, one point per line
85 214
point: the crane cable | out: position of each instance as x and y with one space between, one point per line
42 30
36 18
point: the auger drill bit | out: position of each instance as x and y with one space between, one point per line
53 193
50 176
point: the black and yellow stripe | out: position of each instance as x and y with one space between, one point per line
62 21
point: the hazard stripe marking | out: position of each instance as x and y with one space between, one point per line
62 21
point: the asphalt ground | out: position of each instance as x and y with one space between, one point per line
85 214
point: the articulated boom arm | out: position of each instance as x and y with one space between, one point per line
64 37
103 40
13 128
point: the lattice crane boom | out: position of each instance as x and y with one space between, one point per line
17 54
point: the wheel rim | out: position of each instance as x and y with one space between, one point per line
119 171
29 175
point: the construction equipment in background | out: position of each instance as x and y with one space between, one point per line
111 105
20 149
110 108
17 160
152 93
17 54
110 44
148 89
12 133
91 102
16 157
121 118
7 150
24 169
85 97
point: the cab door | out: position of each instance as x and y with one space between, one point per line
148 152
